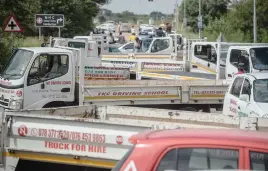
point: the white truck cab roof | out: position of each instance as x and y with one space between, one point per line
247 47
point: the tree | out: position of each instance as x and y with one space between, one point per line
241 18
211 9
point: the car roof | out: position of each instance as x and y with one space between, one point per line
45 49
233 134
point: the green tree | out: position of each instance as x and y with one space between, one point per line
241 18
211 9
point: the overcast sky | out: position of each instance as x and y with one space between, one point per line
141 6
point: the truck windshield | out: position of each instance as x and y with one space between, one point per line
260 90
77 44
259 58
17 64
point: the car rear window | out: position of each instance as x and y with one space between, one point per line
122 161
199 159
258 161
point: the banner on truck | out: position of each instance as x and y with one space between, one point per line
162 66
106 73
131 93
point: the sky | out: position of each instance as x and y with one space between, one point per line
141 6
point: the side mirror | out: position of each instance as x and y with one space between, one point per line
244 97
43 45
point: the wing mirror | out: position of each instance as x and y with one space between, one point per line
244 97
43 44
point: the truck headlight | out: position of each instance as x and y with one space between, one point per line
15 105
265 116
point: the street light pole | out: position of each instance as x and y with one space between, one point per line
254 22
200 16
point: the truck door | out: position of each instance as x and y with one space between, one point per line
161 46
205 58
49 80
230 106
244 106
233 59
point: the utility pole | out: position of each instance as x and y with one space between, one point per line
200 18
254 22
184 14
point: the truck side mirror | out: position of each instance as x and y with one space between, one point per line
43 45
244 97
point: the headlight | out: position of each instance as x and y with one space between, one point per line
15 105
265 116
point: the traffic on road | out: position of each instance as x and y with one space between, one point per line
132 95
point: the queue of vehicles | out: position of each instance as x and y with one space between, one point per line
96 136
190 95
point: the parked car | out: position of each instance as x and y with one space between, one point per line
196 149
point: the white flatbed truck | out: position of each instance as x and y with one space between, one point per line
93 137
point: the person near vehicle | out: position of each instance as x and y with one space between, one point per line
132 37
240 70
121 38
111 38
137 44
159 32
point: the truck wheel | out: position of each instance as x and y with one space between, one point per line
189 109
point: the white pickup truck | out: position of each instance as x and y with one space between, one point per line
92 137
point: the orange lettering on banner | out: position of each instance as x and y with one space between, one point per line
75 147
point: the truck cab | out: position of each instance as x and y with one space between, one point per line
224 59
92 53
161 45
251 58
34 77
247 96
42 77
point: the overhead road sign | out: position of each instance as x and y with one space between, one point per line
12 24
49 20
